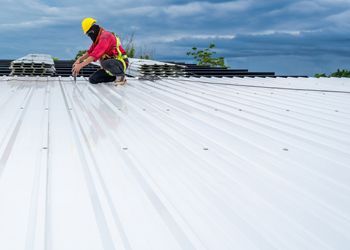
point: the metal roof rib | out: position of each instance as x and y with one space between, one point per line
177 163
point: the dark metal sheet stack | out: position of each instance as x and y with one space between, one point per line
64 68
208 71
5 67
33 65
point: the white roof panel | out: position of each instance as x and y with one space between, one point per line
183 163
35 58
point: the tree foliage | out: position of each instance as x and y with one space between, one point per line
207 56
319 75
338 73
341 73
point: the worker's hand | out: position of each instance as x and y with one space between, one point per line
76 69
77 61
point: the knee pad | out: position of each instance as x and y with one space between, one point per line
111 66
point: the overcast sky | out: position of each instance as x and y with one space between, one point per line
288 37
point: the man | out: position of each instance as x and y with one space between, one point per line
107 48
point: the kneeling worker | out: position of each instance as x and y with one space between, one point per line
107 48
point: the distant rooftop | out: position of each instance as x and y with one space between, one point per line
137 67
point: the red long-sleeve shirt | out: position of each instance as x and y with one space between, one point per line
105 45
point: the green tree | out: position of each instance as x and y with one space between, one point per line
207 56
319 75
55 59
147 57
341 73
338 73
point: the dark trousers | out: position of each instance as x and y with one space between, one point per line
114 66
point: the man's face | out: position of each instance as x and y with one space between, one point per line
93 32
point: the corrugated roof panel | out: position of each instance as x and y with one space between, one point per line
231 163
35 58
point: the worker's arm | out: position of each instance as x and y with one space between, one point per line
82 58
93 54
77 67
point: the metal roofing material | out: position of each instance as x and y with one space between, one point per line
35 58
183 163
150 68
137 68
210 71
64 68
142 67
33 65
5 67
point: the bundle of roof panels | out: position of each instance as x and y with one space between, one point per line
33 65
144 68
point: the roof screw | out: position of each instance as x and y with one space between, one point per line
205 149
168 110
216 109
144 109
125 148
22 107
287 110
240 110
285 149
336 111
45 147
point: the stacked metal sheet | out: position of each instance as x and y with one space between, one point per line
33 65
64 68
209 71
5 67
142 68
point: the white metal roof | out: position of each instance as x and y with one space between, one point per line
180 163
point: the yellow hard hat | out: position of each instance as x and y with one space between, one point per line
87 23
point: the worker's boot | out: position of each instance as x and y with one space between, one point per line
120 80
114 67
